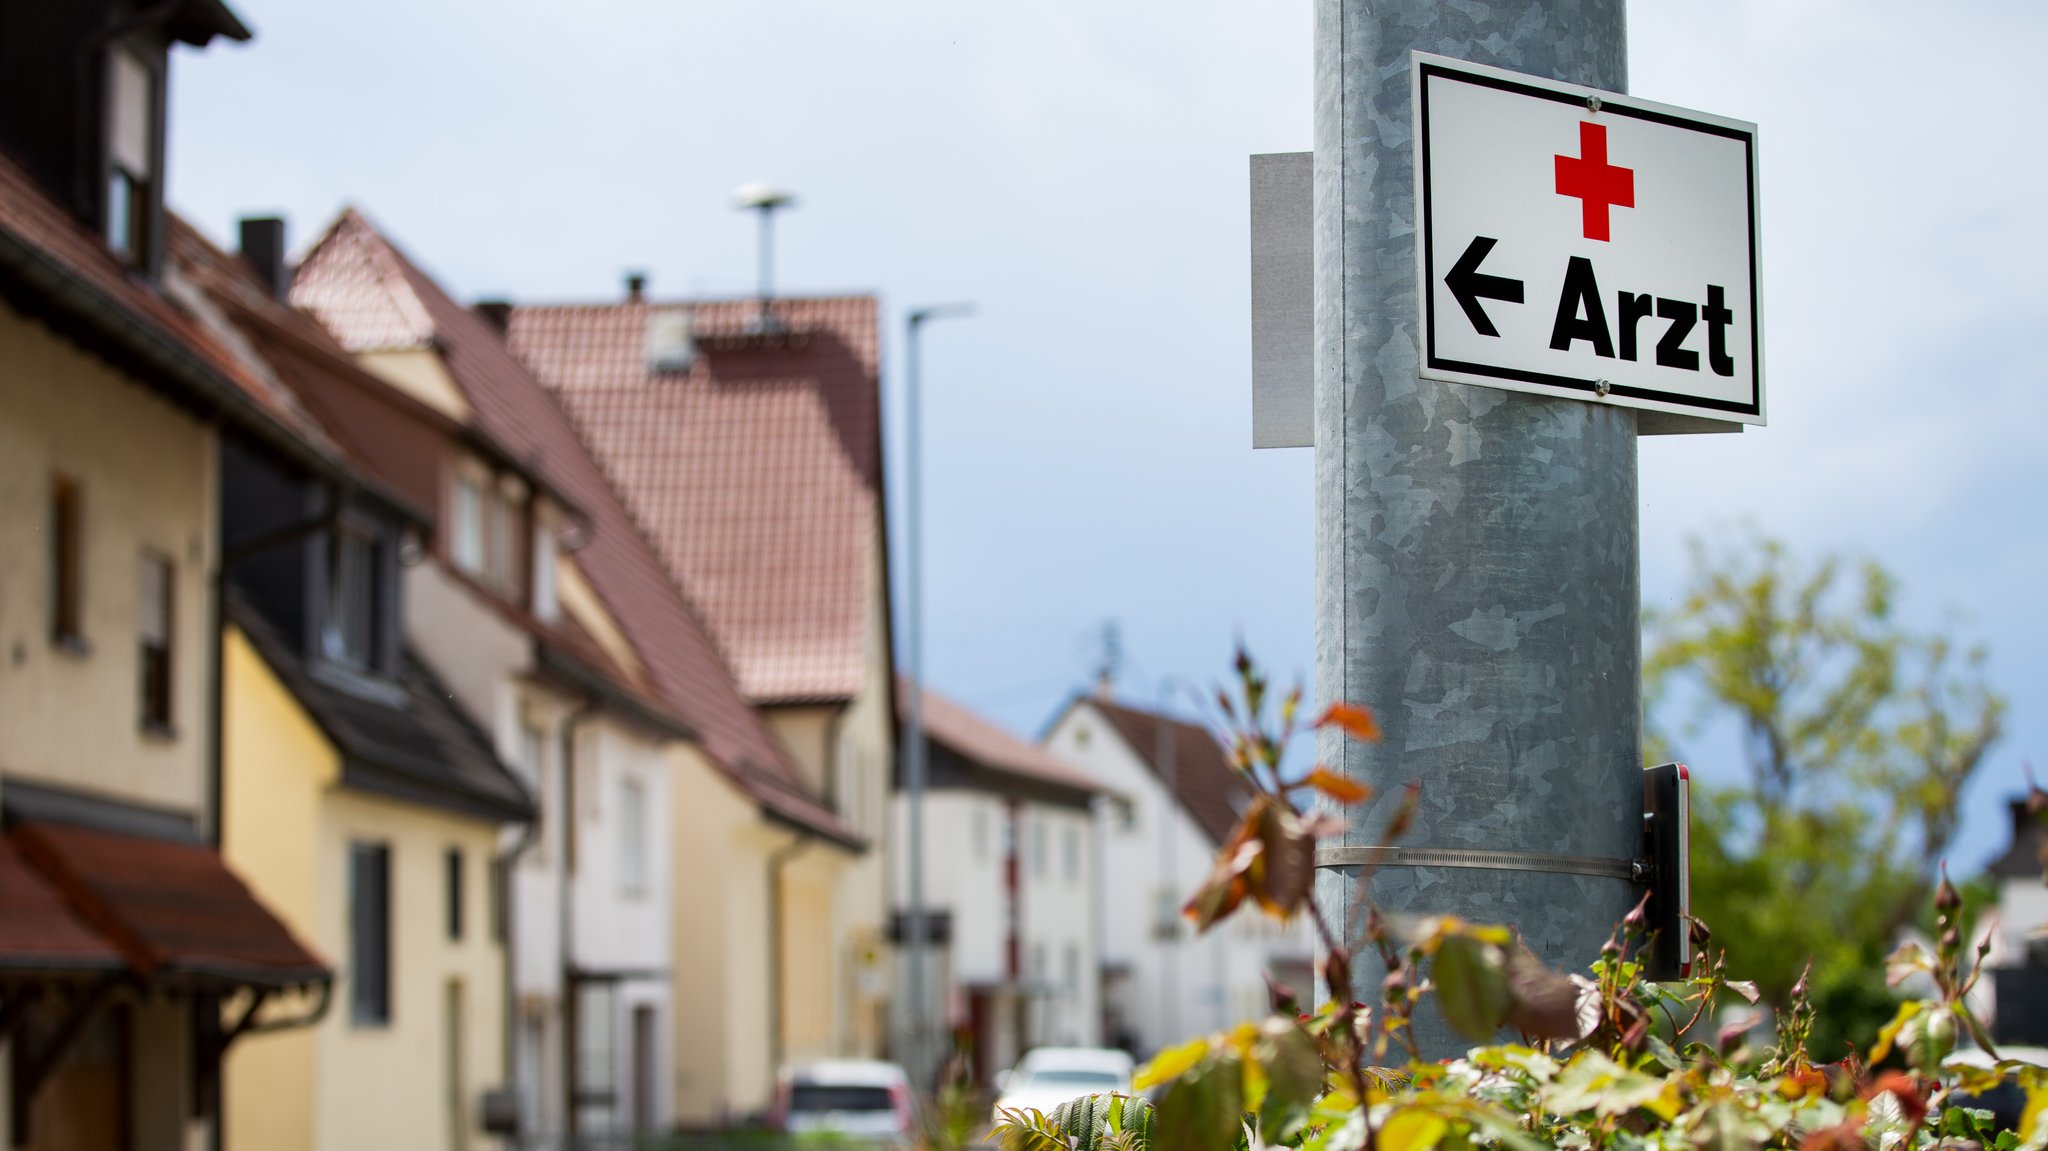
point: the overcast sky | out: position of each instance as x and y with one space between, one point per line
1077 169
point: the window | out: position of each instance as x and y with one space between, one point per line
1070 973
153 627
1038 848
131 138
632 837
466 526
369 944
350 633
67 623
486 529
1165 914
980 823
455 894
533 745
501 537
1070 851
545 605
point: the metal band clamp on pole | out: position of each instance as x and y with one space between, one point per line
1633 870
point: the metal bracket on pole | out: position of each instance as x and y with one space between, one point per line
1632 870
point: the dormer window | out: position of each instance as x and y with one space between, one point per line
487 528
133 109
351 632
546 605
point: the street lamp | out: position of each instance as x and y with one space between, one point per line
764 198
913 726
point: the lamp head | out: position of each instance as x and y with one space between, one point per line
762 195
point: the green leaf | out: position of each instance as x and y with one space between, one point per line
1471 985
1412 1129
1029 1129
1294 1077
1170 1064
1727 1126
1889 1034
1204 1108
1927 1038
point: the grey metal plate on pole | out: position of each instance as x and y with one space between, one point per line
1283 300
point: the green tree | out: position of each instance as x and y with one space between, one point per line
1858 735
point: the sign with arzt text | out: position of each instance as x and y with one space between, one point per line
1580 243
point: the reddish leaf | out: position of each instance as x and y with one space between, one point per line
1341 788
1404 815
1281 877
1356 721
1905 1089
1546 1004
1226 886
1841 1137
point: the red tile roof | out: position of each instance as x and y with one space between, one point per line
369 294
1211 791
170 908
969 735
757 472
38 930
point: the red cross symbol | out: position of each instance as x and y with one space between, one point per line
1598 184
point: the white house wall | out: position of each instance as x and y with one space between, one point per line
1195 984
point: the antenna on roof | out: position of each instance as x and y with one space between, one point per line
1109 643
764 198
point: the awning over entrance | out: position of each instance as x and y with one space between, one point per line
39 933
168 910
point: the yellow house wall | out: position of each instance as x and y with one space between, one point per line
419 373
812 989
145 471
865 762
847 752
720 956
310 1088
276 771
806 730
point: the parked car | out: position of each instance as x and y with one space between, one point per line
1049 1076
854 1101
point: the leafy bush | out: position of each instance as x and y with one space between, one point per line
1607 1060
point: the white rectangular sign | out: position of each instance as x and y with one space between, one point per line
1581 243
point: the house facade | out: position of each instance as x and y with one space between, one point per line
746 443
1011 887
133 958
2018 960
366 809
1176 801
661 908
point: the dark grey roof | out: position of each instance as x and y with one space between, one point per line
2022 859
409 742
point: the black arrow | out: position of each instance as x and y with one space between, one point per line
1469 286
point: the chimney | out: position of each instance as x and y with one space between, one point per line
636 287
263 247
496 313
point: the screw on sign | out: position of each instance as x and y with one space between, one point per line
1637 220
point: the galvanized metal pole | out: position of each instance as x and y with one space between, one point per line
1476 553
